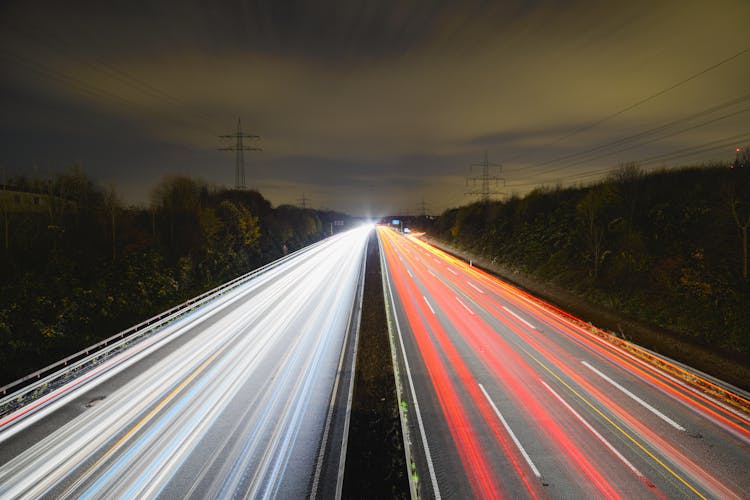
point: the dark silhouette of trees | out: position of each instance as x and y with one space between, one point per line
737 196
593 210
627 182
662 246
79 266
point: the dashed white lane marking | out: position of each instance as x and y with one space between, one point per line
465 306
636 398
593 431
512 434
428 304
519 318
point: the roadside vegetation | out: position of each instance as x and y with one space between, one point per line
77 265
667 248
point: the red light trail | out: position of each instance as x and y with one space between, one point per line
536 405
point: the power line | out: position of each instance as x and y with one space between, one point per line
84 87
715 145
638 144
239 148
64 46
726 142
664 131
77 83
581 155
657 94
642 101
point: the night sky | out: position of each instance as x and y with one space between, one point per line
370 106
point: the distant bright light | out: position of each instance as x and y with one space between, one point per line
396 222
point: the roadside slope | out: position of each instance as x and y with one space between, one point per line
648 336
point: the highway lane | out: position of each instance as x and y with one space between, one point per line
232 399
508 397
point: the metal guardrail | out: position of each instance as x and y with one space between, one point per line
34 383
735 397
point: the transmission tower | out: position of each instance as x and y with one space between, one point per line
239 148
423 208
484 180
303 201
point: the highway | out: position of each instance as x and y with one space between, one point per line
235 398
507 397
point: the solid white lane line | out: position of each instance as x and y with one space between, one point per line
410 274
519 318
512 434
425 446
636 398
428 304
465 306
475 287
454 272
593 431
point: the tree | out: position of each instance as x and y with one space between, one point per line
737 196
628 181
178 199
112 206
6 223
241 228
592 211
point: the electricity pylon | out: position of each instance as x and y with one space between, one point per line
484 180
239 148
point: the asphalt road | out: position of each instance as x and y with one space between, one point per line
233 399
507 397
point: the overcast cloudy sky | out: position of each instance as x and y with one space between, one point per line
371 106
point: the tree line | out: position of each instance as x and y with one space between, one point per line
668 247
78 265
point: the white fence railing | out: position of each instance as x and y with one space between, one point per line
36 383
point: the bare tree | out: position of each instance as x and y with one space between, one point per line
175 196
6 220
628 180
737 195
592 212
112 205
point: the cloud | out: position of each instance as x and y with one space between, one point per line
363 100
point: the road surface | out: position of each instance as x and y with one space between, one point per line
232 399
507 397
